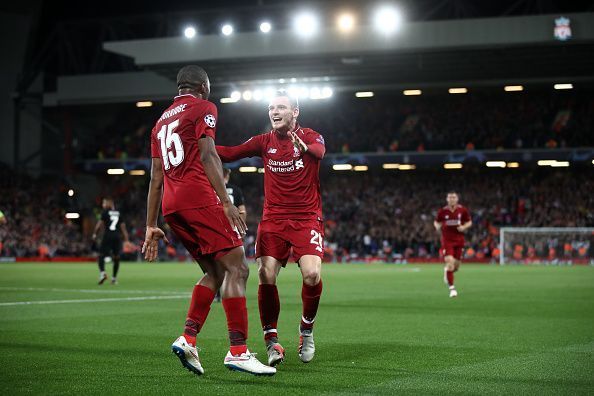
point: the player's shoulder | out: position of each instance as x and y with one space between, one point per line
312 135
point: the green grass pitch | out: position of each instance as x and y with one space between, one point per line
381 329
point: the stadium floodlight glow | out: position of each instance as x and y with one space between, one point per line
513 164
411 92
303 93
228 100
364 94
513 88
405 167
247 95
495 164
391 166
315 93
345 22
227 29
306 24
71 193
560 164
360 168
327 92
457 90
593 162
387 20
115 171
248 169
235 95
563 86
342 167
261 170
452 165
546 162
73 215
190 32
265 27
146 103
137 172
258 95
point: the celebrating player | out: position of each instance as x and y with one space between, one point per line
111 244
452 220
292 218
187 172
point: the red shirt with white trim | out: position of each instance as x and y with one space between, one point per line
174 139
291 178
450 220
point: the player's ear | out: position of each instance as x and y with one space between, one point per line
296 112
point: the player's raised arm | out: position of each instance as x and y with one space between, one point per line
153 232
315 148
250 148
214 172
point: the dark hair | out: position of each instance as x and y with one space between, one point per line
191 77
454 192
292 99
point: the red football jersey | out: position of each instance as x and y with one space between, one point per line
291 179
450 220
174 139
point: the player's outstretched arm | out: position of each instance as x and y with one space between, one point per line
316 149
214 171
153 233
250 148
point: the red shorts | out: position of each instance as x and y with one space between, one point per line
277 237
452 250
204 231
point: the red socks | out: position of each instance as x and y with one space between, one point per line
202 298
310 295
237 323
269 305
450 278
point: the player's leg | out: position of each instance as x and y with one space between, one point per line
101 261
269 306
117 250
449 270
234 303
311 291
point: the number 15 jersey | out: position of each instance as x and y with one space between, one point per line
174 140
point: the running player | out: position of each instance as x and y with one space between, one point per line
292 218
111 244
188 175
453 220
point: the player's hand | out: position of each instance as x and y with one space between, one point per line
461 228
297 142
150 247
234 217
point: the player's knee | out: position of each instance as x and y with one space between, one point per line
267 275
311 276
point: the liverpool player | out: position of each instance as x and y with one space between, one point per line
452 220
292 218
187 173
111 243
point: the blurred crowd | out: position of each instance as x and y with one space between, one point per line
387 123
385 214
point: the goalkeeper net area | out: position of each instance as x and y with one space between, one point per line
549 246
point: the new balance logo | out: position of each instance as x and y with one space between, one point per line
271 150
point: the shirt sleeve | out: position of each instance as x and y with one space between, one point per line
465 216
104 217
316 145
206 122
250 148
155 149
439 217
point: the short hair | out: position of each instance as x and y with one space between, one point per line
226 172
293 100
191 76
454 192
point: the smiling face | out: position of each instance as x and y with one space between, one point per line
283 114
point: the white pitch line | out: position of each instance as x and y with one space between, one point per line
106 291
94 300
